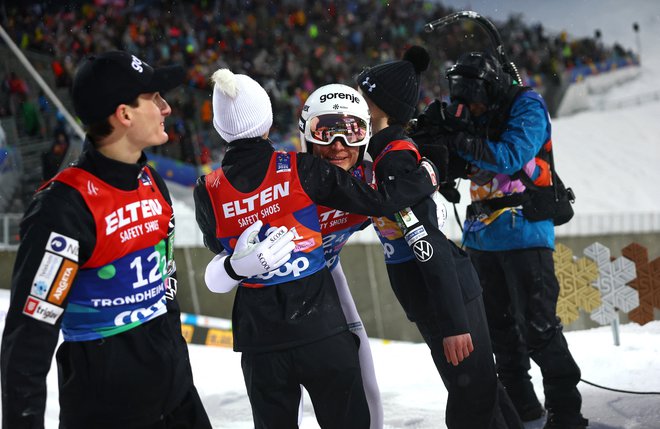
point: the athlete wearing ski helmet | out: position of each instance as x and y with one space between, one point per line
335 118
335 125
279 337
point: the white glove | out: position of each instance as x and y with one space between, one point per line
250 258
216 277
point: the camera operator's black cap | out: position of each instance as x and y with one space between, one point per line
394 86
104 81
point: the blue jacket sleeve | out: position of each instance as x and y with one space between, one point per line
526 131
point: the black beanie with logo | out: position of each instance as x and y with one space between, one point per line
394 86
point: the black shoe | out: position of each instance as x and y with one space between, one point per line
525 401
530 412
556 421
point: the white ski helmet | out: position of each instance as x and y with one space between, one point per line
335 111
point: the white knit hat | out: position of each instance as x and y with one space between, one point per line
241 107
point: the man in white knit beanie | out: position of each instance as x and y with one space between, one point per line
288 323
241 107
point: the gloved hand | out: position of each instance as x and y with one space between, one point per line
441 151
441 118
457 117
449 191
435 149
472 147
434 133
252 257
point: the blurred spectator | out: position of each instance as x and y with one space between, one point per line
206 114
291 47
3 137
45 112
62 77
52 159
204 155
29 116
17 85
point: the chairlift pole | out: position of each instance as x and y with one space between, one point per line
615 330
37 77
639 42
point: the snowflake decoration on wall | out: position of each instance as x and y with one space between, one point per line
612 279
576 277
647 282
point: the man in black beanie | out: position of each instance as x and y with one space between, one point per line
432 278
96 264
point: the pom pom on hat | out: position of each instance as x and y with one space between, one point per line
394 86
241 107
419 58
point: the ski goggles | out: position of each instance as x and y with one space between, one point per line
324 129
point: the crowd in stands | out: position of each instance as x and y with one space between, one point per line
291 47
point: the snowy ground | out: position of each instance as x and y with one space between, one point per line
413 395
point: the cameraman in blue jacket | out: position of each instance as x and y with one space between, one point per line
510 125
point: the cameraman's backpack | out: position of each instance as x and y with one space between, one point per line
545 202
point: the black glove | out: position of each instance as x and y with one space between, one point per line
440 149
472 145
477 148
435 149
449 191
440 118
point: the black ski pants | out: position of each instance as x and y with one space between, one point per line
520 293
476 398
329 369
189 414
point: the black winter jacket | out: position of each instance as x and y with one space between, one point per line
308 309
126 380
432 291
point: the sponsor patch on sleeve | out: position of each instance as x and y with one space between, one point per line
63 246
423 250
42 310
45 276
63 282
282 163
415 234
431 173
407 218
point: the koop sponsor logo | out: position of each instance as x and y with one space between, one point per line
295 267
